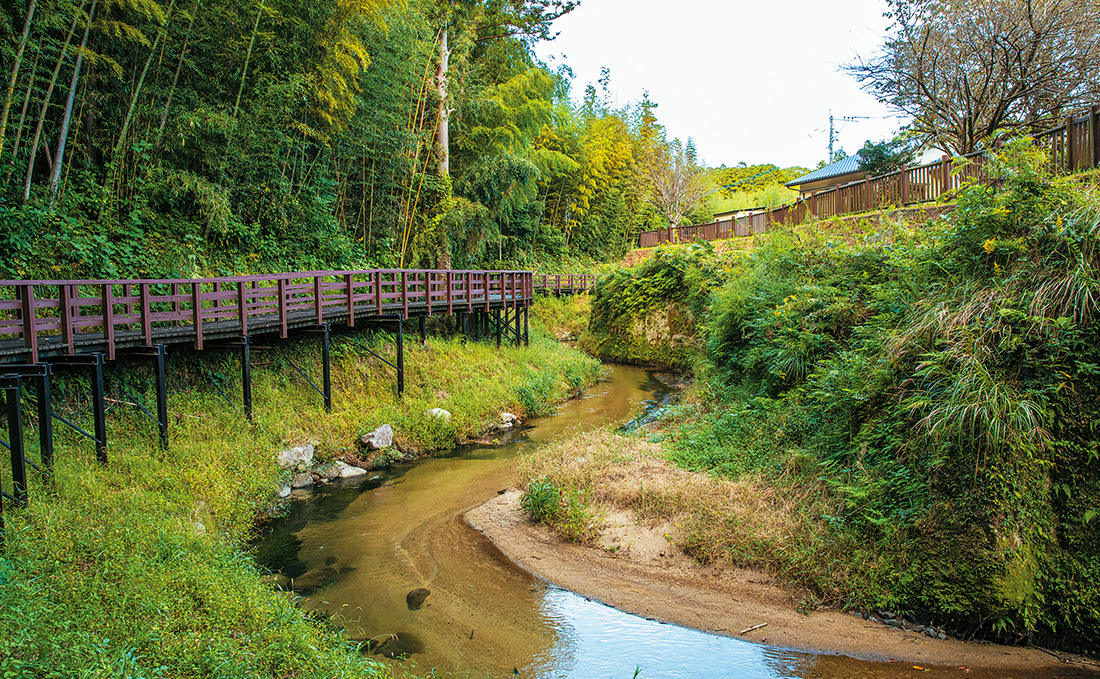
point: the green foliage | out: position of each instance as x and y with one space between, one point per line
541 501
935 385
108 572
884 157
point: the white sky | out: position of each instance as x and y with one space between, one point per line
748 81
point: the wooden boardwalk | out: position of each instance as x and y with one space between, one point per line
44 318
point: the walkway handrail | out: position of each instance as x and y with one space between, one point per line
68 312
1074 146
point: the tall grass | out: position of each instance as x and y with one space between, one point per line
140 568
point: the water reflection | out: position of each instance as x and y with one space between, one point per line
369 544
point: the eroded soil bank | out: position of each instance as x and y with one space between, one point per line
634 565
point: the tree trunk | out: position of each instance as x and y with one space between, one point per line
442 135
63 138
23 116
176 77
247 58
15 75
442 138
141 82
46 106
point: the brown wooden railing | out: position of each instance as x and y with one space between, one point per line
564 284
71 316
1074 146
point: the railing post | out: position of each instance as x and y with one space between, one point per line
196 304
317 300
30 331
404 293
242 307
469 293
146 312
67 329
378 292
1071 146
485 281
1094 135
109 319
280 284
349 283
450 299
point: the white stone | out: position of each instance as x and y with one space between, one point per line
380 438
299 457
303 480
509 418
440 413
284 491
348 472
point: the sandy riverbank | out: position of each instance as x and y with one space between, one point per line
645 574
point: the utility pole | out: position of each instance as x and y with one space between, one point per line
832 136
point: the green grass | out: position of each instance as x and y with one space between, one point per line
108 573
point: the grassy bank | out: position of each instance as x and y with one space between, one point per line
928 394
140 568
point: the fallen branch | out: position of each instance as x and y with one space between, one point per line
754 627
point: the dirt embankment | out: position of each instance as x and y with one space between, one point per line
636 567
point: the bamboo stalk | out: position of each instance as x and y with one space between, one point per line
66 119
15 74
46 106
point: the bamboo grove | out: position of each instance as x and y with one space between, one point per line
188 137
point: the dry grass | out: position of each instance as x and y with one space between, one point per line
744 522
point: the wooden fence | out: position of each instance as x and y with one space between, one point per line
71 316
1074 146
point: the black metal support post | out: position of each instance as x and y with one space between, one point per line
246 375
519 337
423 330
526 334
10 385
400 356
99 409
40 372
96 362
465 328
162 394
326 366
500 325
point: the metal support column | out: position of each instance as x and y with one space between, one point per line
162 394
99 409
526 333
423 330
500 325
40 373
246 375
518 336
400 355
465 328
11 385
326 366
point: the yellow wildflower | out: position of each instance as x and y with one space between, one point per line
990 245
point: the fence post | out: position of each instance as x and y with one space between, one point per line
146 312
1094 135
1071 146
109 320
242 307
905 187
30 332
349 283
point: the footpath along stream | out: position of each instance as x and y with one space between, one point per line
407 576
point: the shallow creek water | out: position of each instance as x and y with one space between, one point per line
401 529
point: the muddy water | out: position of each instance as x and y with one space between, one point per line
401 530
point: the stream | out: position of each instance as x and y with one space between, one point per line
379 538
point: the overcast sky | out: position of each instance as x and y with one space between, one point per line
748 81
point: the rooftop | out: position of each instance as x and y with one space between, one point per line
840 167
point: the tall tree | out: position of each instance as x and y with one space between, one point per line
964 71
